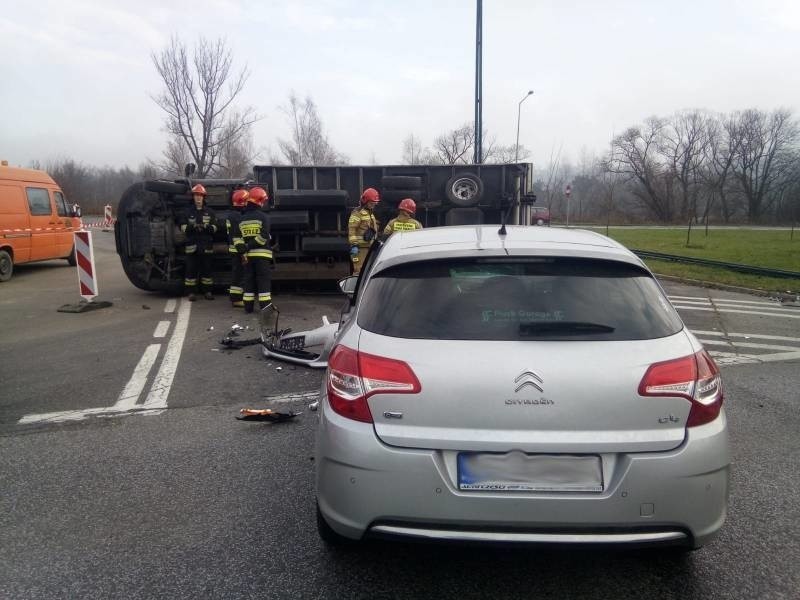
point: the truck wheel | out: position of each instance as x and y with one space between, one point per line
464 189
6 266
165 187
401 182
71 258
394 196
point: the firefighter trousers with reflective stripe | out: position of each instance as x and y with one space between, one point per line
257 283
235 291
198 265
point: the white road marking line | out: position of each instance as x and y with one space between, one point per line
161 329
157 398
744 312
295 397
170 307
758 336
748 345
130 394
705 299
126 403
774 307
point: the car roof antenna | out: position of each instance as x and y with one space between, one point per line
503 219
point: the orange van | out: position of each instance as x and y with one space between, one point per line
36 223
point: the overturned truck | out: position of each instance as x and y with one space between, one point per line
308 213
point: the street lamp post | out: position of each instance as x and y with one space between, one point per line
519 114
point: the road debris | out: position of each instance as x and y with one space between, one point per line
265 414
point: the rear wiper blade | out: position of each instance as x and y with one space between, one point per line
565 327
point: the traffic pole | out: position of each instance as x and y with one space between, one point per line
87 275
568 193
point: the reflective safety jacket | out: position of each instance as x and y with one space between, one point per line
251 234
231 226
360 222
402 222
199 227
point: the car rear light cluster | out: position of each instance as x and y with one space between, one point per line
694 377
354 376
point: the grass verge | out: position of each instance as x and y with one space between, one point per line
772 249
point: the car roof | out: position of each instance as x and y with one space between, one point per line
485 240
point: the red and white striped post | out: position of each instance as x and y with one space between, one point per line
108 216
84 256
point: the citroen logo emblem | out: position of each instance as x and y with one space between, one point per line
528 378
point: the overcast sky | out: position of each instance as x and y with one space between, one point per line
76 77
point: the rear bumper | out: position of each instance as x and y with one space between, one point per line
365 487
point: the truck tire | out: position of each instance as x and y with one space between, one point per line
72 260
289 219
6 266
464 216
325 245
165 187
394 196
304 199
464 189
401 182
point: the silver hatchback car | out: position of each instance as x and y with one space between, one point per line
519 385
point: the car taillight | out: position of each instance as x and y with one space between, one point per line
354 376
695 377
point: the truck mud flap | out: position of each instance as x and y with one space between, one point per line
289 219
325 245
294 199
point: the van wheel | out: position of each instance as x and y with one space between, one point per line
71 259
6 266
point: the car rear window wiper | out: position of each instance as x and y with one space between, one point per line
563 327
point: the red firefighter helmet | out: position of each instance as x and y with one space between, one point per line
408 205
199 189
240 198
370 195
258 195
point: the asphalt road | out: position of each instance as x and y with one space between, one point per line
184 501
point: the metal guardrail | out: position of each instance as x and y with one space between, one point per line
718 263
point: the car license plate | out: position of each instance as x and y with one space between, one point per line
517 471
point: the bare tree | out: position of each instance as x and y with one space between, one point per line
763 156
683 145
198 99
455 146
309 144
723 142
236 155
412 150
499 154
635 155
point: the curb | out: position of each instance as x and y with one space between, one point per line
782 296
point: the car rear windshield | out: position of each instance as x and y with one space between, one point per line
517 299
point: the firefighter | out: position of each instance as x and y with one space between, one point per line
235 291
362 228
404 221
252 242
199 224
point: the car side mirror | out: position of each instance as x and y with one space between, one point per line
348 285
